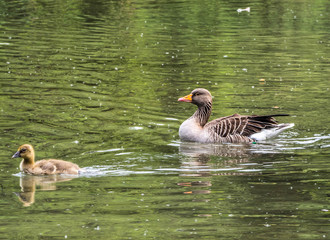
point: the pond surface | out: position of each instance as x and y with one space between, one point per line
97 83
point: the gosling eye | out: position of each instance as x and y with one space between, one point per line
23 150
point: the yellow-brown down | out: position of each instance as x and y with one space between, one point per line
43 167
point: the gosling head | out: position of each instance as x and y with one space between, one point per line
25 151
199 97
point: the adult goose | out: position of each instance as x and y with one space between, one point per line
43 167
230 129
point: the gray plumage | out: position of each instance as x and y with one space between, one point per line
233 129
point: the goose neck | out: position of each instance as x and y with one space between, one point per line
203 113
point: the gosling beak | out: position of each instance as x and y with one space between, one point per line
16 155
186 98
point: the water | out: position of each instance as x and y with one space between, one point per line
97 83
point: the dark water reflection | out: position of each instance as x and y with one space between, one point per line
97 83
29 185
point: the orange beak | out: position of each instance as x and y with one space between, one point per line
185 98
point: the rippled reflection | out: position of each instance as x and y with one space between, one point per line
221 150
30 184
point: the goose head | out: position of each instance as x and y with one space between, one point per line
199 97
26 152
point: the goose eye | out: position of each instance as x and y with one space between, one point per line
23 150
196 94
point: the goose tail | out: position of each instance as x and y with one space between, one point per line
271 132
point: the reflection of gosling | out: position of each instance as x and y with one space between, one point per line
30 183
28 188
43 167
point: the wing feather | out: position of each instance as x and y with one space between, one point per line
236 126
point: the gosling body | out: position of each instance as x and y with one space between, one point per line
43 167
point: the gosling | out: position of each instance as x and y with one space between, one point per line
43 167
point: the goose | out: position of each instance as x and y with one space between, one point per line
231 129
43 167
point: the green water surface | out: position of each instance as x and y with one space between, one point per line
97 82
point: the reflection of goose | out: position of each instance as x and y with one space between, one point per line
233 129
196 162
223 150
29 183
197 159
196 184
43 167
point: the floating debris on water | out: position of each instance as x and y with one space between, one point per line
244 9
